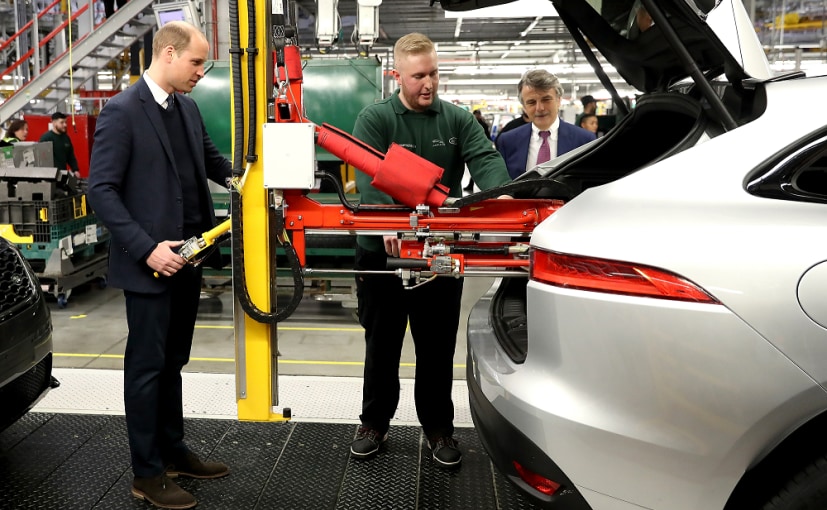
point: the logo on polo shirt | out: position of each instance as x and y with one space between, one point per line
438 143
452 140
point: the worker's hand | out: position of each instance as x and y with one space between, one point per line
164 259
391 245
502 197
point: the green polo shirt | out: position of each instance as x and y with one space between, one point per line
444 134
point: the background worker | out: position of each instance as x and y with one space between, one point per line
17 132
589 104
483 123
589 122
415 118
148 184
62 149
546 136
589 108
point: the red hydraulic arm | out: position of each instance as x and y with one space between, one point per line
434 237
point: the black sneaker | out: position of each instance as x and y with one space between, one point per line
445 452
367 443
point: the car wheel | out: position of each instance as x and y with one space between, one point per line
807 490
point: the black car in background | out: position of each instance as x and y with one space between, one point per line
25 337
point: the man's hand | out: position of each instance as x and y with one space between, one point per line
164 260
391 245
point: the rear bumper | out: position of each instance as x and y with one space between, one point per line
505 444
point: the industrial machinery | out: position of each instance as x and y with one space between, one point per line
271 205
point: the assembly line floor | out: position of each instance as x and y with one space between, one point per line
71 452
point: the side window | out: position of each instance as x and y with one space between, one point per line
812 179
799 175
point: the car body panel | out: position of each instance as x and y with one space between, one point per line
697 217
641 402
811 293
610 402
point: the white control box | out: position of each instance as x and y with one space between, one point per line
289 155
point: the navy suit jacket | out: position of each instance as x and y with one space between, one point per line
134 188
513 144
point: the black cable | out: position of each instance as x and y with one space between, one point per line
238 93
239 279
518 189
340 191
355 208
252 52
295 268
480 250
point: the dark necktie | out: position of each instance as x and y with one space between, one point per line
170 102
545 150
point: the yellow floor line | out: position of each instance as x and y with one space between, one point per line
283 328
231 360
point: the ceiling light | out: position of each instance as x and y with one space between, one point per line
518 9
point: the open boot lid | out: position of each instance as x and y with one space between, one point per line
655 44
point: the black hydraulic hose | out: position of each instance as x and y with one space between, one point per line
239 279
252 53
340 191
355 208
480 250
397 263
528 186
238 92
295 267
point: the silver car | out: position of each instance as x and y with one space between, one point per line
669 350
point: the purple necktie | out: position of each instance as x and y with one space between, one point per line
545 151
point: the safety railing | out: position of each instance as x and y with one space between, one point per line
32 26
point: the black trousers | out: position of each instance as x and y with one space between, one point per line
158 346
385 308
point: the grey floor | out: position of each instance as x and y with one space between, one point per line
320 338
53 458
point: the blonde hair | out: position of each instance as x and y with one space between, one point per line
177 34
412 44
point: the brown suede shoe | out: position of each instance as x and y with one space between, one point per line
194 467
162 492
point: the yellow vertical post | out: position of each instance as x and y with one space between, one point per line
255 365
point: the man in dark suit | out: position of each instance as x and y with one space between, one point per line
148 184
546 136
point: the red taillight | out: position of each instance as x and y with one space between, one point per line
602 275
540 483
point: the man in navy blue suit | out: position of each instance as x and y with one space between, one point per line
148 184
546 136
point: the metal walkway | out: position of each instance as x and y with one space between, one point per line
58 459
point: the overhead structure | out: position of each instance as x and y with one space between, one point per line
367 23
328 24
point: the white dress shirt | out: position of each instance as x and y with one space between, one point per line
535 141
158 93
